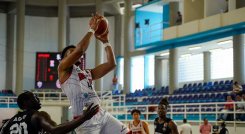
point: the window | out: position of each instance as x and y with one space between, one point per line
137 73
120 74
149 70
222 63
190 68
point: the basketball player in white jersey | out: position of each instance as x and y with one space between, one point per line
77 83
137 126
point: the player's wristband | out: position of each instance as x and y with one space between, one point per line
106 44
91 30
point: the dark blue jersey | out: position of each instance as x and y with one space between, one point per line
21 124
162 128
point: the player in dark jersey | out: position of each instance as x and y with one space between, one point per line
31 121
162 124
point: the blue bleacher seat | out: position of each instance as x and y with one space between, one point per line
199 84
221 82
185 86
227 82
194 85
189 85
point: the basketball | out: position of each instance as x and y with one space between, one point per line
102 27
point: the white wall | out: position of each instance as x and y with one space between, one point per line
165 73
41 35
3 39
213 7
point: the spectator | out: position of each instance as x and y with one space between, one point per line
229 106
215 129
205 128
237 89
115 85
243 97
239 108
137 126
223 130
179 18
185 128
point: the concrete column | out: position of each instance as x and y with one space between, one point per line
173 70
127 60
99 55
207 66
158 73
62 9
118 37
231 5
65 114
10 51
68 26
238 58
20 45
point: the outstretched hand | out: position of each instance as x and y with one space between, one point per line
95 21
90 112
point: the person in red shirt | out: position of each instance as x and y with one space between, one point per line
229 106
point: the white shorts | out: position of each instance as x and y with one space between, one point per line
102 123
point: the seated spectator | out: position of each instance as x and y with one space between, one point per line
115 84
229 106
237 89
243 97
240 108
179 18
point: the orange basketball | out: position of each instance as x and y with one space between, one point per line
102 27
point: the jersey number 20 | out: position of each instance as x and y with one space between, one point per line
19 128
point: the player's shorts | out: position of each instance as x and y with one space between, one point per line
102 123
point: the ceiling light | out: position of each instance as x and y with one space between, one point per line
194 48
164 54
136 5
224 42
185 55
215 50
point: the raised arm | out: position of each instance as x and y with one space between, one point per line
81 47
106 67
39 121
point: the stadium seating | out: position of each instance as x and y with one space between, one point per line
190 93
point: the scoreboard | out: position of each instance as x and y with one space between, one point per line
46 70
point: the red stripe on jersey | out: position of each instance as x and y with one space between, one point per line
81 76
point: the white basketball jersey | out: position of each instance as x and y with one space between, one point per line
79 90
139 129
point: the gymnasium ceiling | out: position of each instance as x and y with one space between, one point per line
77 8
